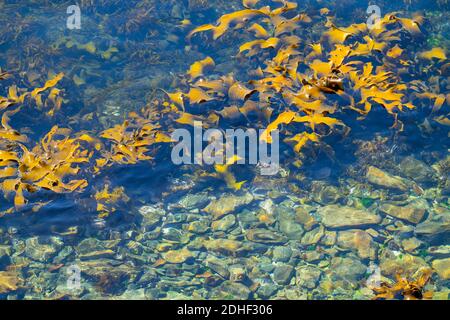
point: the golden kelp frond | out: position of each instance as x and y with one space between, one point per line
7 132
108 200
307 106
337 35
130 142
198 68
231 181
177 98
439 99
249 3
388 98
225 22
317 118
394 52
107 54
405 289
338 55
367 79
253 46
317 50
324 11
231 112
213 86
283 118
239 92
89 47
295 84
221 168
412 26
259 31
249 107
55 99
283 26
13 98
262 111
46 166
223 172
379 33
284 54
287 6
49 84
378 88
320 68
197 95
444 120
301 139
4 74
367 48
188 118
437 53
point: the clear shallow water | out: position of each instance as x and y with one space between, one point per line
159 242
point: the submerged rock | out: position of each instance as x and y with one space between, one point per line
287 224
303 217
392 263
134 294
218 266
42 252
224 223
348 268
175 235
411 244
442 268
192 201
291 294
107 268
439 251
308 277
265 236
329 238
238 274
177 256
313 236
199 226
92 248
325 194
291 229
151 216
226 246
282 254
433 227
358 240
282 274
384 179
416 169
266 291
226 204
407 213
334 216
229 290
5 251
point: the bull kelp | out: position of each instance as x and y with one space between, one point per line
101 201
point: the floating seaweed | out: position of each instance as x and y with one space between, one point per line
108 200
130 142
305 97
45 166
405 289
